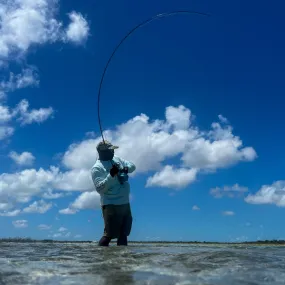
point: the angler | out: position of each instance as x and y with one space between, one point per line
110 173
110 178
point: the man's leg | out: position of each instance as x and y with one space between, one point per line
104 241
126 226
112 220
108 214
122 240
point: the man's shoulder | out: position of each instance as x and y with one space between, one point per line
97 165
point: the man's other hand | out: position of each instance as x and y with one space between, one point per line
114 170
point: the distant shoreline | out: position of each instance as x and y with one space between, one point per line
259 242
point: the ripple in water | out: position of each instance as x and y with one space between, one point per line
73 263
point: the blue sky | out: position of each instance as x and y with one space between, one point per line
195 102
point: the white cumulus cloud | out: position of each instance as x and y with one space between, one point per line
25 158
179 118
228 213
49 195
229 191
195 208
5 206
172 178
22 114
219 148
20 224
68 211
269 194
22 186
28 23
87 200
10 214
5 132
149 144
24 26
81 155
27 77
33 116
57 235
223 119
40 207
5 114
62 229
44 227
73 180
78 29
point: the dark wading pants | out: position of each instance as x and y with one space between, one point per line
118 224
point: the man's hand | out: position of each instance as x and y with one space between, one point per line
114 170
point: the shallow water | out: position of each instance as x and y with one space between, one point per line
78 263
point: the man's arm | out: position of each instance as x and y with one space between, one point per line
100 180
130 165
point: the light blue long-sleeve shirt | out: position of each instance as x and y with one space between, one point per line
109 188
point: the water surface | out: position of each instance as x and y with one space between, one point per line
165 264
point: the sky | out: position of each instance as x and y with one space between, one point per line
195 102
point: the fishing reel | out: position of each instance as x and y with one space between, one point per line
122 174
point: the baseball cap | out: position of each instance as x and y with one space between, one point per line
107 145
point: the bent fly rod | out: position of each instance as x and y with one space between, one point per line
159 16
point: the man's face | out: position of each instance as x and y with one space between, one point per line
106 154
